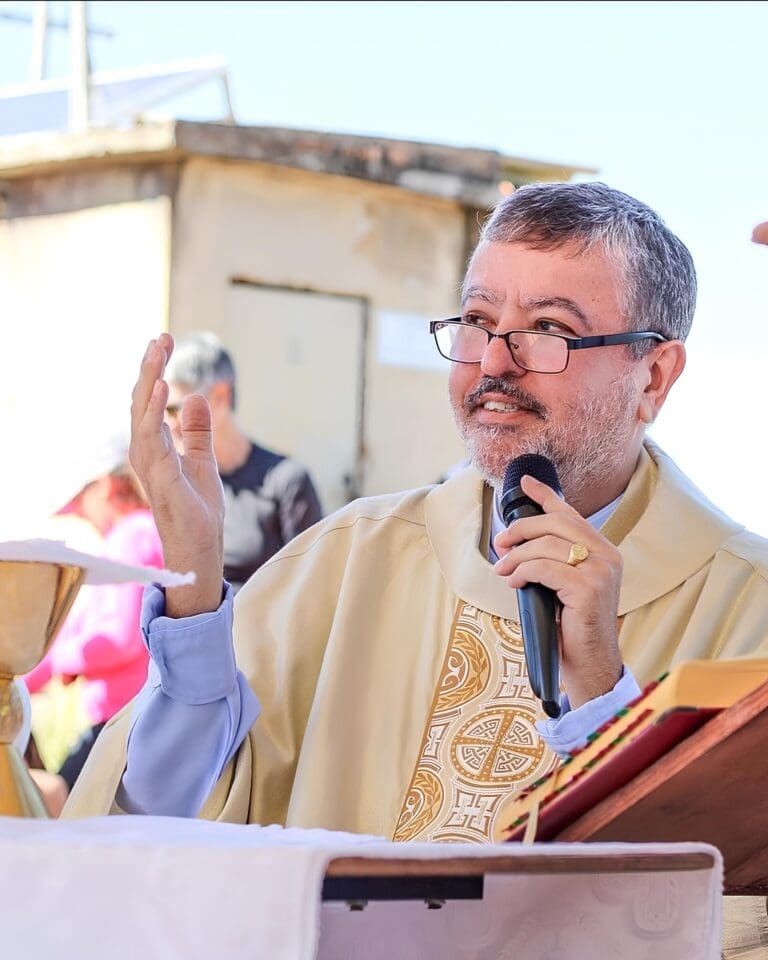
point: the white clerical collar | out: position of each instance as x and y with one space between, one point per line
497 521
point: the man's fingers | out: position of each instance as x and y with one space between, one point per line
150 440
578 589
165 340
568 526
196 433
155 414
151 370
150 425
547 547
156 356
549 573
545 496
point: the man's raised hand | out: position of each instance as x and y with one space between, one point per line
184 490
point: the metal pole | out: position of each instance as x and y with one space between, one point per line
78 91
39 40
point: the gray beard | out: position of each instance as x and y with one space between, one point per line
586 450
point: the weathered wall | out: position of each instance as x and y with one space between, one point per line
81 293
399 252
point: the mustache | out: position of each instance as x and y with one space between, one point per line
510 389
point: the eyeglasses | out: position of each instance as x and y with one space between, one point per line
535 351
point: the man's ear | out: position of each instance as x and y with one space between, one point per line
220 396
663 365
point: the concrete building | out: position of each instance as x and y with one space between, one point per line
318 258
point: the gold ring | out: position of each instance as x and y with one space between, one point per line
578 554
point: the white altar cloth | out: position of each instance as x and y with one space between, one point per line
160 887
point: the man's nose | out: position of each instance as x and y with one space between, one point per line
497 360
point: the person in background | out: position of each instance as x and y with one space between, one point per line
760 233
59 715
268 498
101 640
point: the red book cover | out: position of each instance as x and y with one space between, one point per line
592 784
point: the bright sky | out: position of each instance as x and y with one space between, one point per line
669 101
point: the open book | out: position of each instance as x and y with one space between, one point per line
666 712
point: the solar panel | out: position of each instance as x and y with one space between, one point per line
115 98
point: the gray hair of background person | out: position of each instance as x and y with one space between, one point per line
198 361
659 278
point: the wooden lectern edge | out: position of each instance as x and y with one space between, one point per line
532 864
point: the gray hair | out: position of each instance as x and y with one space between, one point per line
659 278
199 361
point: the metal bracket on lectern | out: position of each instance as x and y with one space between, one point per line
356 892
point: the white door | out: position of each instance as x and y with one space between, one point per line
299 358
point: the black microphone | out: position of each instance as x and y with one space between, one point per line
537 604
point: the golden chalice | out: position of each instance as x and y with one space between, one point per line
34 599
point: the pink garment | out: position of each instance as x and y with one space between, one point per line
101 640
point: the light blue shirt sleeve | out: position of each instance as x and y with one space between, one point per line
572 727
192 714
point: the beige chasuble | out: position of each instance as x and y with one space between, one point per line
385 654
